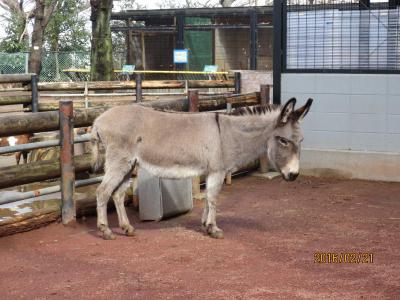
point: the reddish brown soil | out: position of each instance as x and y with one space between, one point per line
272 230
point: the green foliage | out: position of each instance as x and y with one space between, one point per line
66 29
14 29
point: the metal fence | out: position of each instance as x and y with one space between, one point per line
336 36
53 63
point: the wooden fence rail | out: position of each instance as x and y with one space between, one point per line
127 85
29 82
49 121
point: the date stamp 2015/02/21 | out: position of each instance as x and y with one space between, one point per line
343 257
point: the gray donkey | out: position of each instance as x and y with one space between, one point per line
182 145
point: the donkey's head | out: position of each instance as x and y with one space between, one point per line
284 144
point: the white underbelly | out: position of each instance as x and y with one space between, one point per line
175 171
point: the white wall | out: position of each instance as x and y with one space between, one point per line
351 112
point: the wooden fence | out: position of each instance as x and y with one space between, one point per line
65 119
28 93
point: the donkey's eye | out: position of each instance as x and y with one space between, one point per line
283 141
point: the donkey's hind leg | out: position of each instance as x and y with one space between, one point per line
114 176
205 213
214 183
119 201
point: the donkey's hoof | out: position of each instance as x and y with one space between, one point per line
109 235
218 234
215 232
129 230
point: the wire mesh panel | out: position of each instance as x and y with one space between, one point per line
13 63
336 35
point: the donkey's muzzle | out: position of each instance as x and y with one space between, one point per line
291 176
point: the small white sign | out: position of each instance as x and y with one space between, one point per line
180 56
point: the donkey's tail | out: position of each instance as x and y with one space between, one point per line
95 140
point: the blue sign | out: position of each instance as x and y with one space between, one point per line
128 68
181 56
210 68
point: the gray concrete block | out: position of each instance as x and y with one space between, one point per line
327 121
298 83
372 123
332 84
393 104
367 142
392 142
393 123
368 84
326 139
393 84
368 104
332 103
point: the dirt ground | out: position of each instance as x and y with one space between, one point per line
272 230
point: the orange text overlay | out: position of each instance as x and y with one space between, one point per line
343 258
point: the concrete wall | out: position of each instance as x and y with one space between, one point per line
355 115
250 81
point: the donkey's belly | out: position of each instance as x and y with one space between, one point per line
172 171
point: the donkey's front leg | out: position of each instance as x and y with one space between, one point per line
214 183
205 213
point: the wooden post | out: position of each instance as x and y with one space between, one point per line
193 97
68 210
138 78
35 95
264 94
264 100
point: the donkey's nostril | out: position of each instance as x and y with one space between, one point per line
293 176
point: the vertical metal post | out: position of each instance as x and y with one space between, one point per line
68 209
186 87
364 4
264 100
253 40
228 176
193 97
27 62
180 39
138 79
277 50
86 94
393 4
238 86
35 94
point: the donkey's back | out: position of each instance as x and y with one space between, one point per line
178 143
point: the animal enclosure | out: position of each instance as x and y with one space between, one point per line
65 119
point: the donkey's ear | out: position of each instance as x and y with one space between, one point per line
286 111
301 112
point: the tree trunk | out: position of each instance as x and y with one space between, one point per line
101 53
42 14
35 58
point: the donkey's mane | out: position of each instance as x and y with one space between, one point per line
255 110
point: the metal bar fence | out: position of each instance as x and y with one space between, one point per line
354 36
